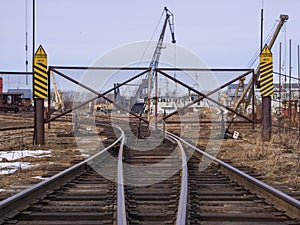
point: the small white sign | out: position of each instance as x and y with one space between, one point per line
235 135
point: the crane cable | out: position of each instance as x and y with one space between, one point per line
148 45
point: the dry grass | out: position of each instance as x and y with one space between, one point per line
277 161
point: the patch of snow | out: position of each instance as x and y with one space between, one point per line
13 155
85 155
9 168
40 178
42 156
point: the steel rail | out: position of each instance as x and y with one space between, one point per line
280 200
121 209
14 204
183 198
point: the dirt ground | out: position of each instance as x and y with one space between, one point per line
63 152
277 161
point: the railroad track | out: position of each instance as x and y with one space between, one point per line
216 199
153 187
150 185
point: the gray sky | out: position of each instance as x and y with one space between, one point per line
223 33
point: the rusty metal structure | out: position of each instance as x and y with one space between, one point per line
164 72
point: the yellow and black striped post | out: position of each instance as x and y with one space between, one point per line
266 72
40 76
266 90
40 92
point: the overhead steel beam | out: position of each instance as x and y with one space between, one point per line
96 68
15 73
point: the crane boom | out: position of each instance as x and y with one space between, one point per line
58 99
145 88
155 58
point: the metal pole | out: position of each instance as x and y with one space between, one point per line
164 125
261 29
40 134
299 87
280 88
290 84
156 98
33 49
149 96
223 133
266 118
49 99
298 177
33 32
266 98
253 103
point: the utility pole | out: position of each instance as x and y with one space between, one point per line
280 85
266 90
290 81
298 87
39 86
32 69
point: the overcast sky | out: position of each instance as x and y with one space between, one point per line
222 33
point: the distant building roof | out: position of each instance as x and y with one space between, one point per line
11 94
26 92
234 86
